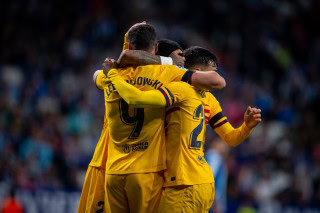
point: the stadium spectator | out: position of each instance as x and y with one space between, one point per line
11 204
217 156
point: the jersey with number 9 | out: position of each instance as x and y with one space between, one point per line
137 135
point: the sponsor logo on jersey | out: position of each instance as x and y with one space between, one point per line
201 159
135 147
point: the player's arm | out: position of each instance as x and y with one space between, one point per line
134 96
138 58
235 136
209 80
100 76
142 58
98 79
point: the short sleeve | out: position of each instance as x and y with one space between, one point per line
100 80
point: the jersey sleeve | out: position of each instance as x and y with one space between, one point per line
134 96
177 73
100 80
233 137
213 112
173 93
218 122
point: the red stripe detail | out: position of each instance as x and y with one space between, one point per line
165 96
207 123
189 80
206 110
172 110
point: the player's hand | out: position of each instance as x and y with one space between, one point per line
108 64
177 58
252 117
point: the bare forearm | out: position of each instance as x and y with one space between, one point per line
138 58
210 80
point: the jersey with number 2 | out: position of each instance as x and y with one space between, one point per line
185 135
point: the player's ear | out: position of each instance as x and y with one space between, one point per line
156 48
197 69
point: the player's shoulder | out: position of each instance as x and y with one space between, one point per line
152 68
181 85
126 72
210 95
173 67
211 98
125 69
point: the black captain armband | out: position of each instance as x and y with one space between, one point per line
215 119
188 76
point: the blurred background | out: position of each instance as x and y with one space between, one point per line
51 113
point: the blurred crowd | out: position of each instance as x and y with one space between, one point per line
51 113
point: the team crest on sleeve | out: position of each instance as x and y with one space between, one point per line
181 67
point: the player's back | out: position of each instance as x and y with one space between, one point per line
185 134
137 139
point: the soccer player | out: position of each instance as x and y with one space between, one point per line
92 196
171 49
189 183
93 192
136 148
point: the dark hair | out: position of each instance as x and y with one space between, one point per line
142 37
199 56
166 47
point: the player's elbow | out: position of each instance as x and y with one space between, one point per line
217 83
132 100
95 75
222 83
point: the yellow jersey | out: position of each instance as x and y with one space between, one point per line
100 155
136 135
213 111
185 136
